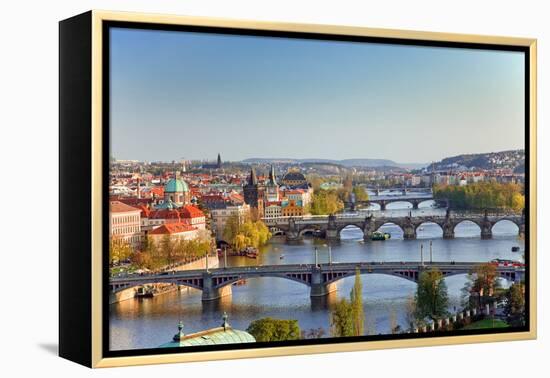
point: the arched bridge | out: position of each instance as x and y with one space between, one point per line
415 200
320 278
332 225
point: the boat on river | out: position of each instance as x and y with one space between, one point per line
377 235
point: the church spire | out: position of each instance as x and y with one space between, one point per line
272 176
219 160
252 180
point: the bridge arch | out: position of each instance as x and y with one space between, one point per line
499 227
352 226
460 225
379 226
308 230
195 284
391 204
302 278
419 228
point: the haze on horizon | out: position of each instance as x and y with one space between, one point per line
188 95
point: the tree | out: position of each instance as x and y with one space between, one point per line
313 333
119 250
325 202
515 304
270 329
482 195
356 299
410 311
341 319
167 249
431 295
360 193
394 326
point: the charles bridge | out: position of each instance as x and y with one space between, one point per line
330 226
320 278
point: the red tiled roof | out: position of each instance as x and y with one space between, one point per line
190 211
119 207
172 228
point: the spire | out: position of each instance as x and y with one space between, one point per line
272 176
219 160
180 335
225 324
252 180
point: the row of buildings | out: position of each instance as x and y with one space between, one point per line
202 209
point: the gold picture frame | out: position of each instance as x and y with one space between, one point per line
91 27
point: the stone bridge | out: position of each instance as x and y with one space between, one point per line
383 201
332 225
320 278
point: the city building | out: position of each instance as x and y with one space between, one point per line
176 191
176 231
254 194
271 187
273 210
291 209
294 179
216 165
124 223
221 212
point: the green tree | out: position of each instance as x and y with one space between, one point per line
360 193
356 299
515 304
341 319
325 202
431 295
270 329
482 195
119 250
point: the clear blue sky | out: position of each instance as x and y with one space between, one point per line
179 94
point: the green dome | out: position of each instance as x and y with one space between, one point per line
176 186
213 336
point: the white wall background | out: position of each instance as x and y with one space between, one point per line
28 148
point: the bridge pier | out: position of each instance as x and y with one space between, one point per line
332 235
209 292
448 229
415 205
293 238
318 287
486 230
382 205
409 231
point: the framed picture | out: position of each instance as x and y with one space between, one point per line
235 189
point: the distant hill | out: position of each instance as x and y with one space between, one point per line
512 159
374 163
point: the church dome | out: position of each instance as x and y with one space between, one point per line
294 176
176 186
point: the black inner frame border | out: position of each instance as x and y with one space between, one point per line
107 25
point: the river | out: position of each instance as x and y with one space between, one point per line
147 323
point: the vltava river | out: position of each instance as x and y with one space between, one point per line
147 323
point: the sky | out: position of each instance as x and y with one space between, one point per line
189 95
